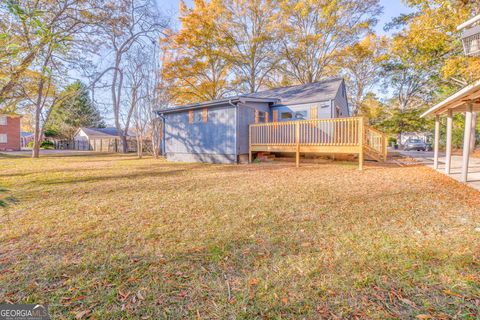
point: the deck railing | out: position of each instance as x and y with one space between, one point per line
340 135
376 141
341 131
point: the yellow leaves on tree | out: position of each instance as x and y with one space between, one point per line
197 69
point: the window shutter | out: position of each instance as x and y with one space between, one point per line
275 115
205 115
256 116
190 116
266 117
313 113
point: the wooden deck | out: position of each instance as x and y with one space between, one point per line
328 136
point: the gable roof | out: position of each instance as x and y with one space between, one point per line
100 132
26 134
306 93
312 92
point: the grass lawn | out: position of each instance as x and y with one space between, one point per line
110 237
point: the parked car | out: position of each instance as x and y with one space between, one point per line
415 144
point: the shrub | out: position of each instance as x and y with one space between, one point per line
46 144
392 140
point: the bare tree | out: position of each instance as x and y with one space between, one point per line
32 28
46 32
125 24
315 32
251 40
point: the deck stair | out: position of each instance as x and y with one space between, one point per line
319 136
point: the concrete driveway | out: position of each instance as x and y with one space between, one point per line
426 157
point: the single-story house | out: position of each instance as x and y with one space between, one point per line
26 138
10 132
97 139
218 131
424 136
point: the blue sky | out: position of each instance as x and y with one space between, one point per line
391 9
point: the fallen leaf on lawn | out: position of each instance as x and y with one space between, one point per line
424 316
450 293
409 302
81 314
284 300
253 282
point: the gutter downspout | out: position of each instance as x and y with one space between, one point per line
236 129
162 149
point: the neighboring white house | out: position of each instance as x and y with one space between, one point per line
98 139
426 137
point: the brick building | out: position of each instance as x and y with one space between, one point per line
9 132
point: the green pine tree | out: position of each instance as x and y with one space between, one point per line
75 111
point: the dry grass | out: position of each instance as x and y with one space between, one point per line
111 237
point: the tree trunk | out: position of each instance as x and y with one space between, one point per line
38 132
124 143
37 137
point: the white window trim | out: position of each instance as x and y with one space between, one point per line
3 138
3 120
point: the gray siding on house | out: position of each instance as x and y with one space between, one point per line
324 109
226 133
246 116
342 101
213 141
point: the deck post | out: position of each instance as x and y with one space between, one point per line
436 145
249 144
466 142
448 154
297 141
361 137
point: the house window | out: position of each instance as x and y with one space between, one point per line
197 116
261 117
286 115
338 111
301 115
3 120
3 138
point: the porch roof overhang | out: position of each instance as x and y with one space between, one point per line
458 102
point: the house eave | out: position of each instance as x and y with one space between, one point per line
465 95
215 103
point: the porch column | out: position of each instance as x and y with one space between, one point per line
436 142
466 142
448 156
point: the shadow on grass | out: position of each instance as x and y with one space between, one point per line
6 199
137 175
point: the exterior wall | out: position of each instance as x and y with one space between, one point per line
246 116
12 130
213 141
81 136
324 110
342 102
424 136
